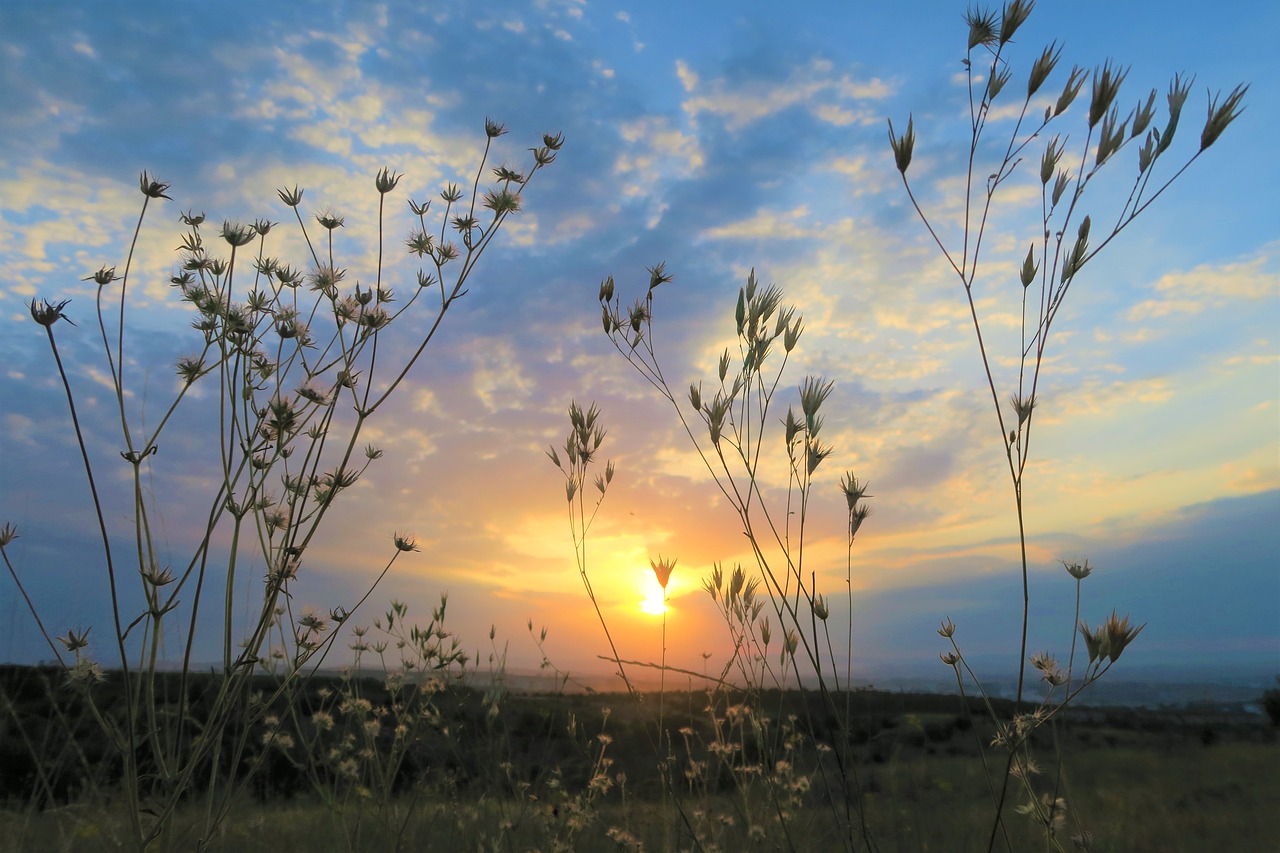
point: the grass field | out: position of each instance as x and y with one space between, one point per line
1140 780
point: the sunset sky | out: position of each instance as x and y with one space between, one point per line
716 137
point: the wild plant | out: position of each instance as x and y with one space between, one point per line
1075 175
368 742
730 428
296 360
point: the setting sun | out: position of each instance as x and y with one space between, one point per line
652 603
654 606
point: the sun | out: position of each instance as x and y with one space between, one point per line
653 605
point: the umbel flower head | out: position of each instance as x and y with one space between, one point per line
662 570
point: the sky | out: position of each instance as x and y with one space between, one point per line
717 137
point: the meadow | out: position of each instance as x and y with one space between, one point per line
131 741
530 776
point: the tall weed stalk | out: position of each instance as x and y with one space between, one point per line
1077 165
299 360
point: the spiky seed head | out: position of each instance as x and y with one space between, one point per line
982 27
658 275
662 570
903 146
1070 89
152 188
1220 116
1078 570
1029 268
1106 86
1042 68
47 313
291 198
386 180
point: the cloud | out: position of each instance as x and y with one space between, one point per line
1212 287
835 98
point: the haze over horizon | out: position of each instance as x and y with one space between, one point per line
718 138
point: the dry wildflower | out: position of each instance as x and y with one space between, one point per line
47 313
386 180
1119 634
662 570
1078 570
1220 116
86 671
291 198
74 641
8 533
152 188
236 234
330 220
501 201
903 146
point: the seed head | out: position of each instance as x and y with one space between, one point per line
1078 570
236 234
405 543
493 129
103 277
1106 86
1119 634
291 198
1220 116
1029 268
662 570
75 641
658 275
152 188
1043 67
982 27
46 313
1015 14
1070 89
386 180
330 220
903 146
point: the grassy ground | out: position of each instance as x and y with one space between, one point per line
1146 796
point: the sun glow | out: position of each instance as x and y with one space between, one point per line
653 606
652 602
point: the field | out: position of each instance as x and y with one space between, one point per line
577 771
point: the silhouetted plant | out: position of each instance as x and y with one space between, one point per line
288 350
